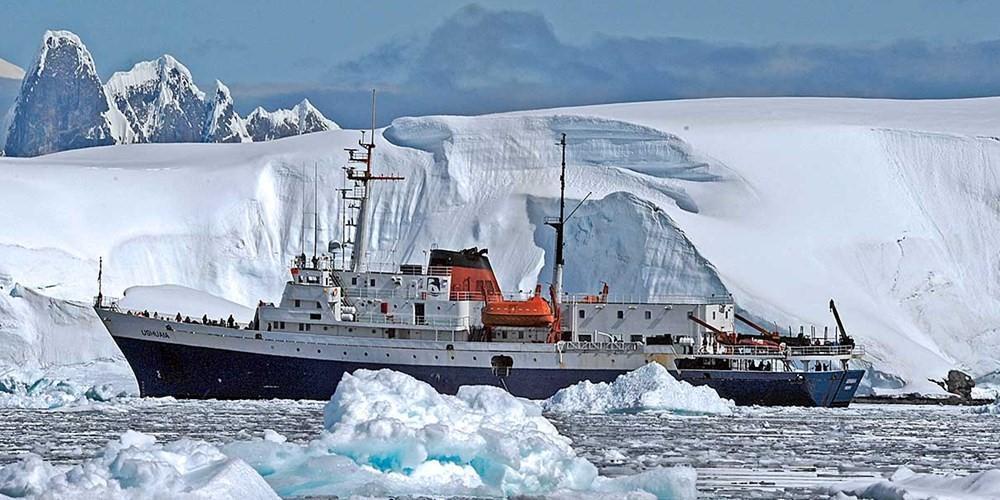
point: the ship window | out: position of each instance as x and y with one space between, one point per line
621 314
713 314
582 314
282 325
649 314
373 282
319 305
520 335
637 338
298 303
354 280
301 327
315 316
584 338
308 327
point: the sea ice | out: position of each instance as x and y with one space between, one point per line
909 485
388 433
135 466
650 387
37 391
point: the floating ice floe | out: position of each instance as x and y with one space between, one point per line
135 466
36 391
390 434
909 485
991 408
650 387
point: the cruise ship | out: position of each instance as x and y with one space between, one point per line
447 321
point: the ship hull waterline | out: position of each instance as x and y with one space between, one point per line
200 372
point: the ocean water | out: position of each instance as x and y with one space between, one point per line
757 453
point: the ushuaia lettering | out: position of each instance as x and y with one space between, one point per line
154 333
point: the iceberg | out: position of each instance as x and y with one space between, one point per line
388 433
910 485
135 466
650 387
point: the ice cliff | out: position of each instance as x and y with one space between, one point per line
886 206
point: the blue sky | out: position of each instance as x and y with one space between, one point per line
455 57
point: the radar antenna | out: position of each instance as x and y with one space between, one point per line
361 192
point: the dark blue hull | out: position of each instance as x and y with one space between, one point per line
165 369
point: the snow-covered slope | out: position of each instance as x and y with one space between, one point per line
886 206
303 118
222 124
160 100
62 104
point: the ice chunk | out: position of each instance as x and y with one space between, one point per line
38 391
992 408
905 483
650 387
135 466
390 434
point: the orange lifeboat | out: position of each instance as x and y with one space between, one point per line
533 312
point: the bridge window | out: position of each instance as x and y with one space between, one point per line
649 314
637 338
298 303
582 314
584 338
315 316
621 314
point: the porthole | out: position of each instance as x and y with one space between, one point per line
345 353
473 358
297 349
366 354
318 351
350 329
534 359
414 356
435 356
387 355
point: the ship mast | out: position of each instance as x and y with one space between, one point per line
361 193
556 289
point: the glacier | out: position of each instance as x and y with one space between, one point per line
886 206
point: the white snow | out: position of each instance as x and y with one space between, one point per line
885 206
390 434
134 467
650 387
10 70
169 300
905 484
